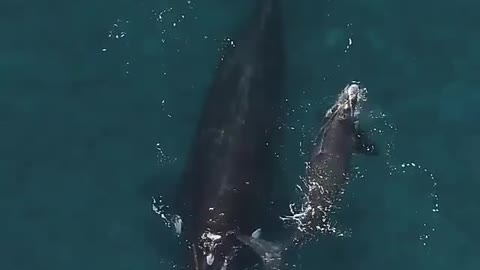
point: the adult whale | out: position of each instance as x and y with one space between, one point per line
229 170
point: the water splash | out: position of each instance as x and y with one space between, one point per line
428 227
299 213
168 264
118 29
172 221
162 157
403 171
118 36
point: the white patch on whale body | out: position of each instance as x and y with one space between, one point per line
210 259
209 242
213 237
353 90
350 98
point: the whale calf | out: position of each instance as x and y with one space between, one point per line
328 170
228 175
326 175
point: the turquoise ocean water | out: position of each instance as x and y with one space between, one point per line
99 101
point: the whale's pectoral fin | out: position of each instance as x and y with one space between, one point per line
271 253
363 144
256 234
177 222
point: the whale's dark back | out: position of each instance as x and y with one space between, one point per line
334 150
229 170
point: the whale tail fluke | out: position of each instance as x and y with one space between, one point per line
271 253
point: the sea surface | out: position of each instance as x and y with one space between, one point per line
99 101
